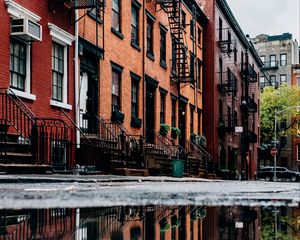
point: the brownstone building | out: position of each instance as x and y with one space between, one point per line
231 93
144 69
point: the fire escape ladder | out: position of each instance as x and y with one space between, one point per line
180 58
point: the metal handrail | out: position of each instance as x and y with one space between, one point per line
74 124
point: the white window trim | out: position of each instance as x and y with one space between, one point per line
26 95
60 36
17 11
60 104
65 39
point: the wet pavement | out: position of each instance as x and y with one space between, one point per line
103 191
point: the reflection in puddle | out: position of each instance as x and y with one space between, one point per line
152 223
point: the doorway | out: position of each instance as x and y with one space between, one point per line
88 92
150 113
182 123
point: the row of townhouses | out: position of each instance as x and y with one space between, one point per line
126 87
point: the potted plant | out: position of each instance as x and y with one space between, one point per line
175 222
201 141
175 132
164 129
193 137
164 225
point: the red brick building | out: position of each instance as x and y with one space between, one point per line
143 70
37 67
231 93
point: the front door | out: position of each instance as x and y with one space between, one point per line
150 94
182 123
88 102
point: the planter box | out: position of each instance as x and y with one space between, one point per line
136 122
117 117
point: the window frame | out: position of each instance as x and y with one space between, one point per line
273 61
64 39
58 71
135 80
118 97
163 46
283 61
192 125
117 13
199 74
135 31
150 35
283 75
173 112
199 30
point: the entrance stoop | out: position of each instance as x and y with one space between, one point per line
131 172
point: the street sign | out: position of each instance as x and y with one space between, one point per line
238 129
239 224
274 151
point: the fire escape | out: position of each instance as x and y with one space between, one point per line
180 61
248 104
227 82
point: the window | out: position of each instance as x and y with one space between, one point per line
163 46
199 36
235 52
263 59
220 29
57 71
199 74
192 108
183 18
283 59
93 13
199 122
273 79
173 116
283 78
162 107
134 98
134 25
192 28
150 36
61 41
116 15
17 65
192 67
116 90
262 79
272 60
174 67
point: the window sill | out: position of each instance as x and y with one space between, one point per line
150 56
25 95
60 104
163 64
117 33
134 45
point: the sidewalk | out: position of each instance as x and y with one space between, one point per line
60 178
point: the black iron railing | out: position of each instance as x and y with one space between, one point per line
248 104
227 123
227 81
270 65
249 73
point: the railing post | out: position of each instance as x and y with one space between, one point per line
123 142
142 150
34 142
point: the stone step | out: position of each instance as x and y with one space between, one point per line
25 169
16 158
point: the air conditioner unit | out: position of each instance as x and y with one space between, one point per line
26 29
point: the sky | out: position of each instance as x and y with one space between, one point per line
271 17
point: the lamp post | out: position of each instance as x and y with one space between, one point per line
275 135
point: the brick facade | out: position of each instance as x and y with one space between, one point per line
217 103
41 57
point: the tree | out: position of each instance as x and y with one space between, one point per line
274 100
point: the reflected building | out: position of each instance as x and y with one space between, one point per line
134 223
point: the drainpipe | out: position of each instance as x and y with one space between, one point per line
143 62
76 80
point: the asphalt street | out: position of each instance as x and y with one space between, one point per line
65 191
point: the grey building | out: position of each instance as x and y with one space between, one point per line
279 53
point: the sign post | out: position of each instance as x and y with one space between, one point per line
274 153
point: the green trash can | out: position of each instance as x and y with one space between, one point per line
177 168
